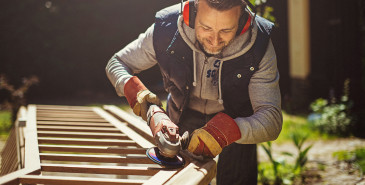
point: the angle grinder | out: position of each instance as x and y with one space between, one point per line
167 138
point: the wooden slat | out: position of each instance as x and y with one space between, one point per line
74 124
9 154
90 142
161 177
92 120
77 129
96 158
63 107
99 169
59 180
124 128
137 125
81 135
67 114
92 149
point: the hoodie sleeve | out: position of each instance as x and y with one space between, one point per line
266 122
137 56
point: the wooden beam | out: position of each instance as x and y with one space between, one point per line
124 128
99 169
60 180
89 142
13 178
195 173
77 129
92 149
82 135
31 160
97 158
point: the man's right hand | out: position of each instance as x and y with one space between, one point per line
139 97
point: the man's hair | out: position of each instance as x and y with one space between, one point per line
222 5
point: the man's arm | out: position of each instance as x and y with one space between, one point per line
266 122
137 56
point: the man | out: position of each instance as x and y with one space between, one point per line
219 68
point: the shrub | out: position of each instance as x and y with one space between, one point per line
333 117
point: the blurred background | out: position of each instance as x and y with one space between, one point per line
55 52
64 47
65 44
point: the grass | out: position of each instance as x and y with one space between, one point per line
298 123
5 123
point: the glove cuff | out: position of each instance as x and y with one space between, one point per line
131 88
224 129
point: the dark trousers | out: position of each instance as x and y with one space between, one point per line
237 164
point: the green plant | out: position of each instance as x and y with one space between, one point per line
333 117
355 158
5 123
275 164
279 171
302 152
263 9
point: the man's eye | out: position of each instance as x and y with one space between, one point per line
206 29
226 31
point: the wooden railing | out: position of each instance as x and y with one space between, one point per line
90 145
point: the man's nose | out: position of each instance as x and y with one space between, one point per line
214 40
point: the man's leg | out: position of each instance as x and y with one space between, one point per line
237 164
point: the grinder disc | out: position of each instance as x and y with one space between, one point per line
154 154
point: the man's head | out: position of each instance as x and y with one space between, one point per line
216 23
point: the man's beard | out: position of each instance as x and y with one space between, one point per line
206 51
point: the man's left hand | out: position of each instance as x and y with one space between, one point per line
218 133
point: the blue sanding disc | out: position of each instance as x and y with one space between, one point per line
154 154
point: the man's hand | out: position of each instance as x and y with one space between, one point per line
218 133
139 97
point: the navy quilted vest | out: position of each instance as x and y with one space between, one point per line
175 59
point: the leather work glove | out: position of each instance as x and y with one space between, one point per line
139 97
218 133
158 121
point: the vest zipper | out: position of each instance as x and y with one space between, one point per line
202 75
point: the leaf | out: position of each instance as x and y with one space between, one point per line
267 150
288 154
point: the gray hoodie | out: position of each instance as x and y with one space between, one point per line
266 122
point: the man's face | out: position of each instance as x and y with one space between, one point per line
215 29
